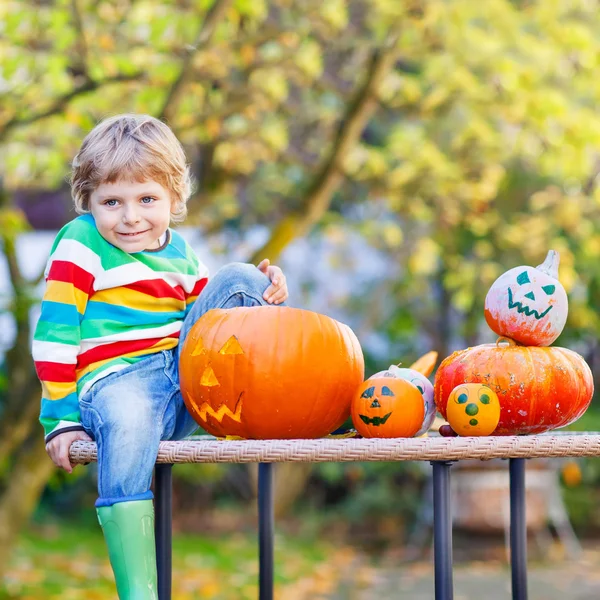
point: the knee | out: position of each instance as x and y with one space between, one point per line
128 420
244 276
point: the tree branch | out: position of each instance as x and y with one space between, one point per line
61 102
317 199
592 180
207 29
80 44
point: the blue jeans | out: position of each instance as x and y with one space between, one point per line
129 412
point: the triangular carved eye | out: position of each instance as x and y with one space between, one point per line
523 278
368 393
209 379
385 391
231 346
199 348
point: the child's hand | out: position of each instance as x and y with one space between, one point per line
58 448
277 292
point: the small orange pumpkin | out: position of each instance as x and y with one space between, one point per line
473 409
539 388
269 372
387 407
528 305
417 374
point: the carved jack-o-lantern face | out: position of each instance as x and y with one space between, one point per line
473 409
387 407
209 379
528 305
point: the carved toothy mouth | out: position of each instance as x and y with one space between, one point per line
525 309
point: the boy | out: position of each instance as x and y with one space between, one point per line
122 292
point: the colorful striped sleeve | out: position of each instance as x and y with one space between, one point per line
200 283
57 338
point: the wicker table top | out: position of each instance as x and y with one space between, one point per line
206 449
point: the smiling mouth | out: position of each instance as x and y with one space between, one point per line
521 308
131 235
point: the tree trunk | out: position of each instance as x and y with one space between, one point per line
27 480
318 197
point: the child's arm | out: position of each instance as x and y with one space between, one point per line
201 281
57 338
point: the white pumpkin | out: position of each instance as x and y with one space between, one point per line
528 305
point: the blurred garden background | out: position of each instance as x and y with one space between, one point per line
394 157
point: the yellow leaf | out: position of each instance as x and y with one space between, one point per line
247 54
309 59
335 13
392 235
212 125
271 81
424 260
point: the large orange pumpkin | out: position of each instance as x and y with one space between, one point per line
269 372
387 407
539 388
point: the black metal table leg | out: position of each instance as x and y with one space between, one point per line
265 531
162 528
442 531
518 529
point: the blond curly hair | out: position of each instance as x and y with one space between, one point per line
135 148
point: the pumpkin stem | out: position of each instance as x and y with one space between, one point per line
550 265
508 340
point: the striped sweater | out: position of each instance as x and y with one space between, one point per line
104 309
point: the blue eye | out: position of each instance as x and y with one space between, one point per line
549 289
111 202
523 278
150 198
368 393
385 391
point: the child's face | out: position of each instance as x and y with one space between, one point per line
131 215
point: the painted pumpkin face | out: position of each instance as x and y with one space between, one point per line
417 374
528 305
387 407
422 384
473 409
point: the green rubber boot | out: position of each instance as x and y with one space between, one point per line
129 533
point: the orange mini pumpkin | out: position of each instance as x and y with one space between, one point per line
539 388
528 305
473 409
269 372
387 407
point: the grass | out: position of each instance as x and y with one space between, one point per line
62 561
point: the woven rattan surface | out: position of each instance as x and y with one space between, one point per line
210 450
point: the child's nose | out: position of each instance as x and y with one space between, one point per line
130 215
